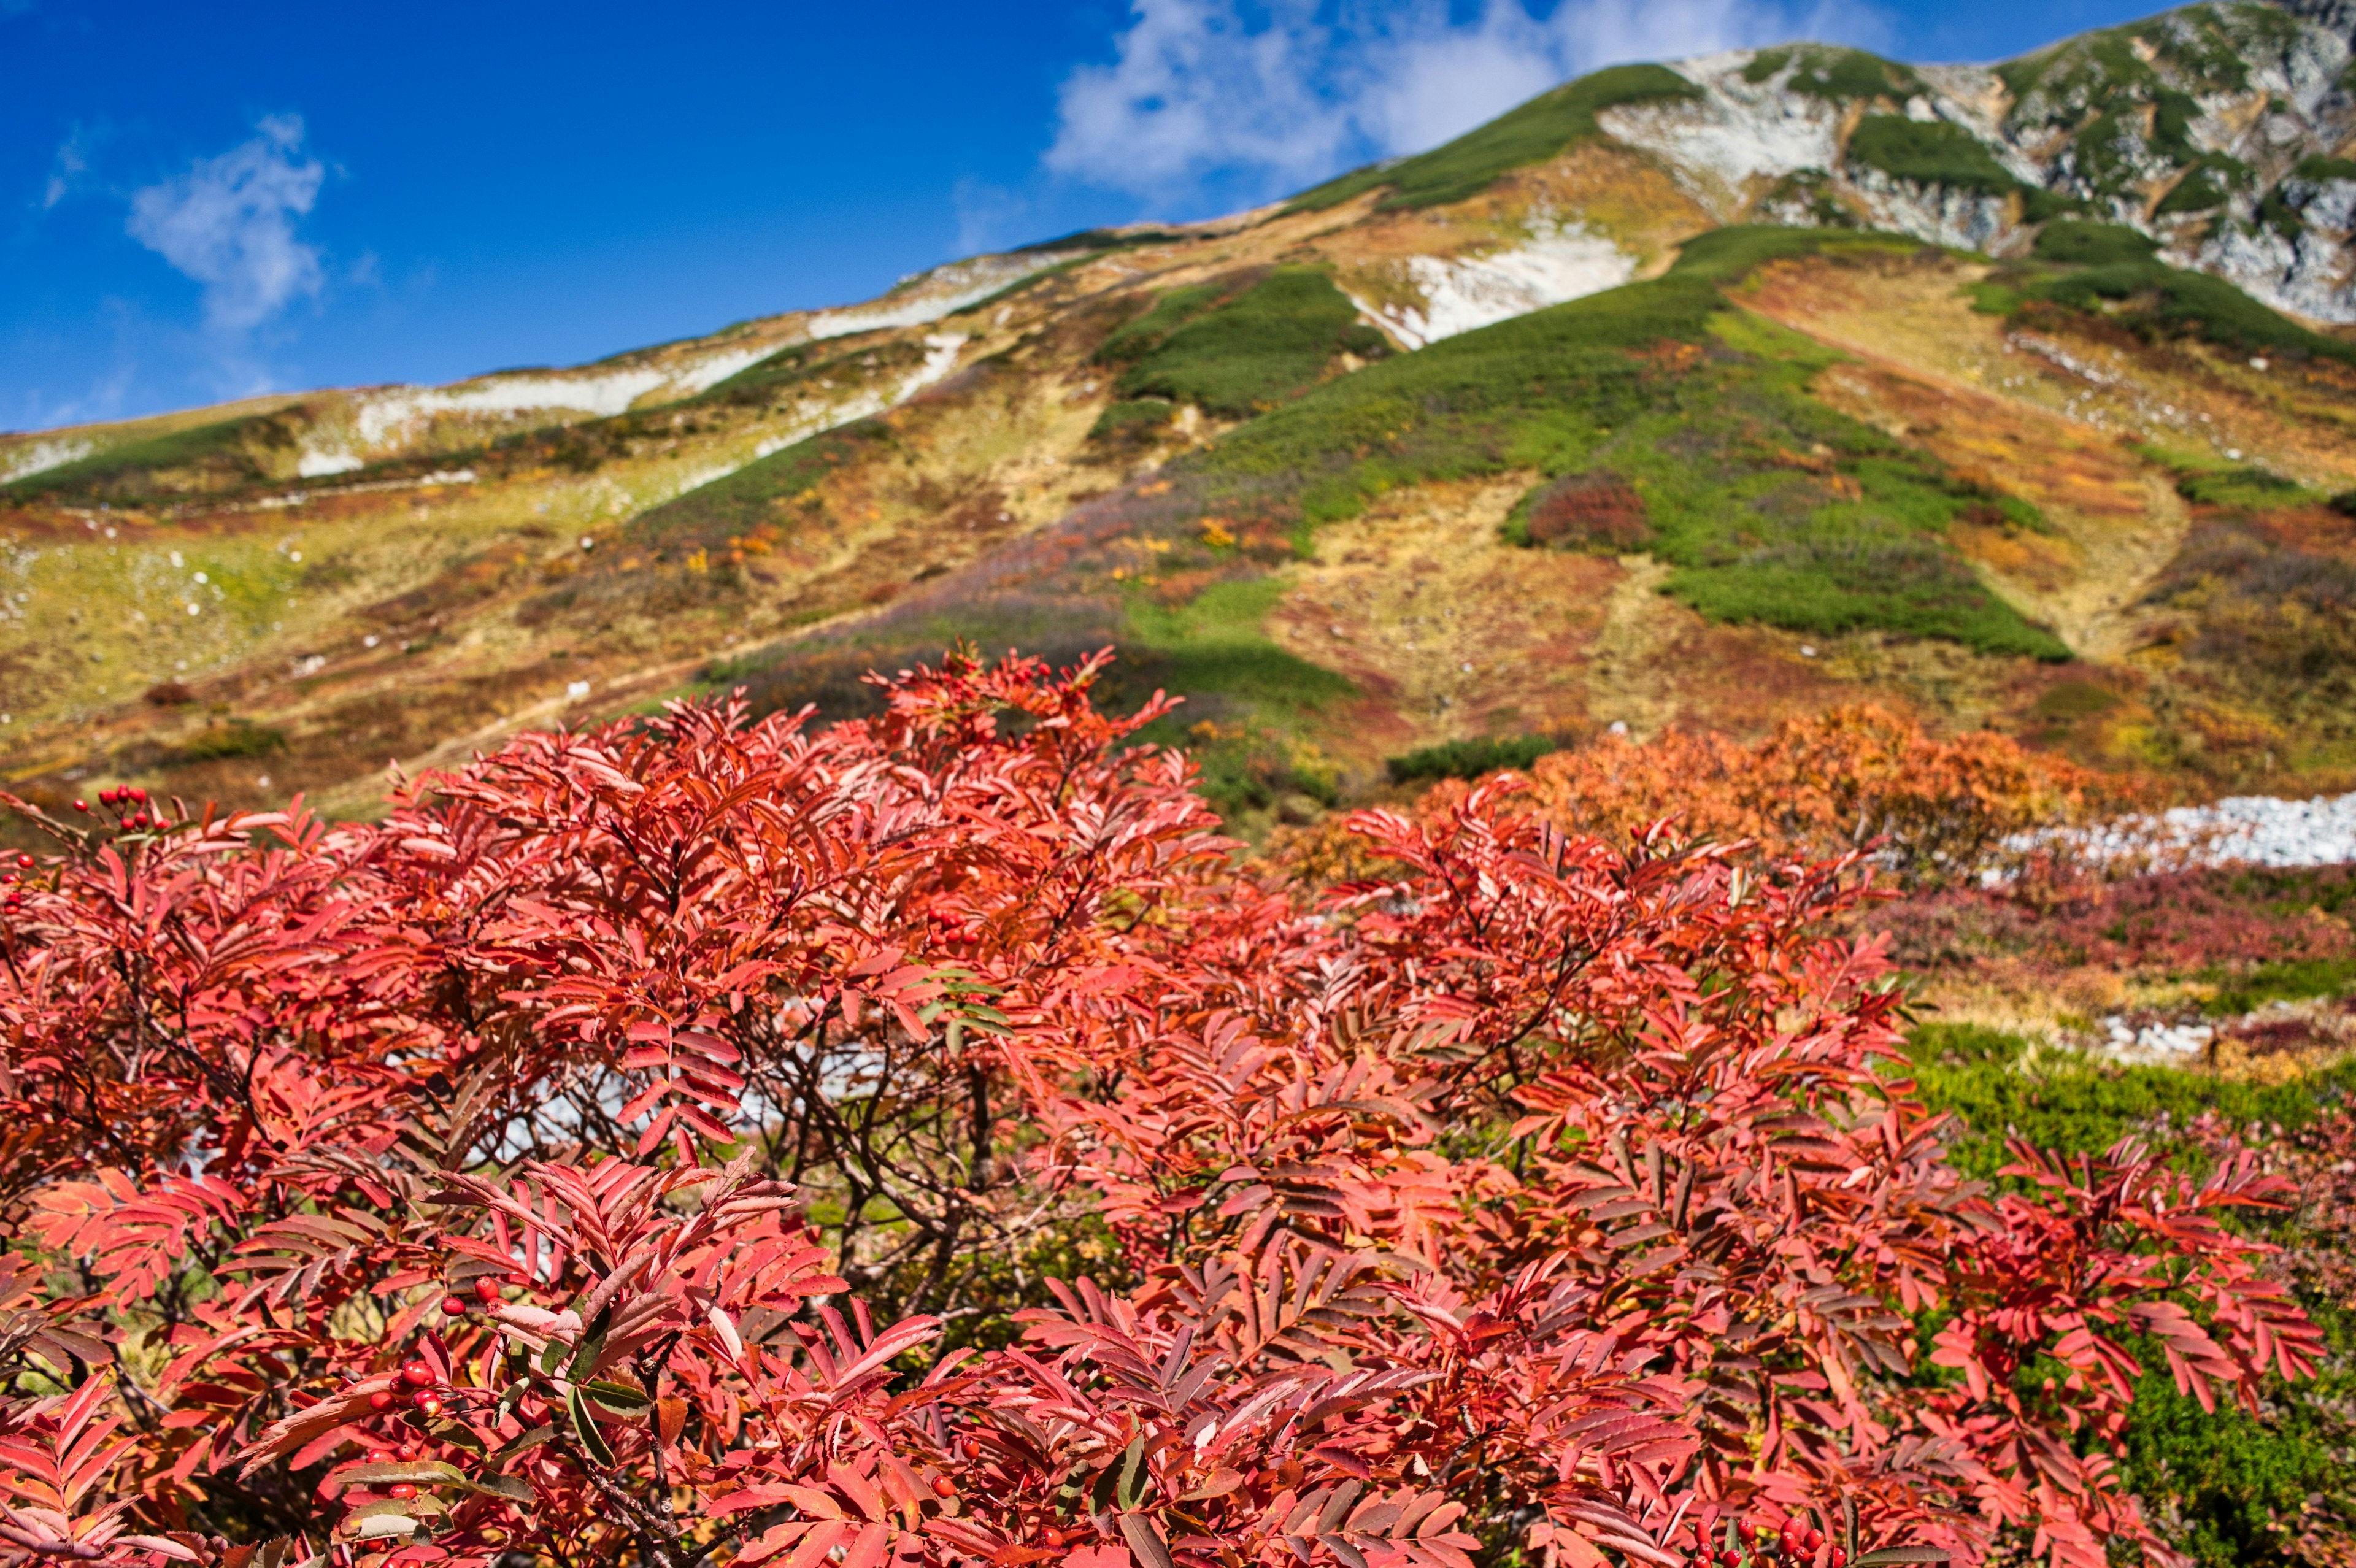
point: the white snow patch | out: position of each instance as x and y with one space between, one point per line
928 296
2263 829
1564 262
43 456
706 374
381 416
810 418
1734 131
321 463
2161 1041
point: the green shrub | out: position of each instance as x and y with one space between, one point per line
1140 418
1235 351
2205 184
1843 75
1530 134
1729 254
2246 487
2288 980
1471 759
128 469
2061 1100
223 742
2320 168
1929 153
737 503
2163 299
2079 243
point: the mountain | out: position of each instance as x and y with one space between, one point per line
1685 394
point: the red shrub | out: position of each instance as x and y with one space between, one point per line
436 1189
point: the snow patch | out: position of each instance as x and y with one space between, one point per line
1734 133
380 416
320 463
706 374
1564 262
810 418
42 456
928 296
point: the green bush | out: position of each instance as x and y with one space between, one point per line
2163 299
1137 419
2320 168
2245 487
1843 75
1929 153
737 503
129 468
1995 1083
2287 980
2081 243
225 743
1530 134
1471 759
1236 349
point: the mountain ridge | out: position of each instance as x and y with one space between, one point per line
976 453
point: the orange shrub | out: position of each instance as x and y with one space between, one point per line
1850 778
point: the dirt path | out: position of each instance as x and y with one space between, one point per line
1629 681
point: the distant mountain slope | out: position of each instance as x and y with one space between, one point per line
1688 394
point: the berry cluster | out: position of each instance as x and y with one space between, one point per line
130 821
1765 1545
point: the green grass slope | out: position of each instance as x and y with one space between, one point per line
1531 133
1771 506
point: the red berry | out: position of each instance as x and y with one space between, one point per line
1816 1540
417 1373
381 1400
26 861
401 1490
1839 1557
943 1487
380 1455
486 1290
82 806
1053 1537
453 1305
139 795
1729 1557
429 1403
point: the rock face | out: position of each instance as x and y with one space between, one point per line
2220 130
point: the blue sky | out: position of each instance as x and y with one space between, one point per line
199 202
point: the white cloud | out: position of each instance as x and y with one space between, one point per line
228 223
1296 90
66 169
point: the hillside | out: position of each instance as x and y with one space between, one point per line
1692 395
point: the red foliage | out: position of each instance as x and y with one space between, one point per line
1545 1194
